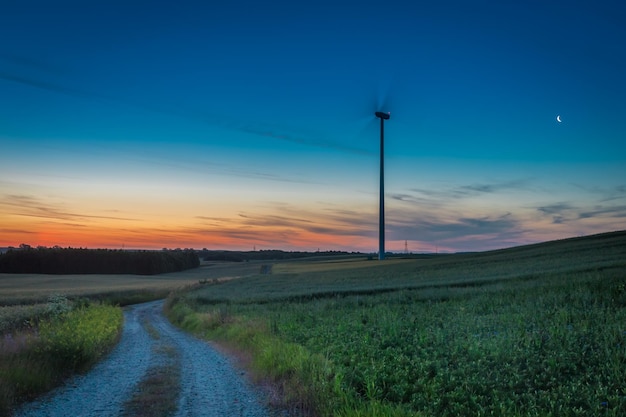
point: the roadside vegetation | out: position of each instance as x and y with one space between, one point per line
62 338
538 330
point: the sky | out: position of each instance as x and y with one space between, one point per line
244 125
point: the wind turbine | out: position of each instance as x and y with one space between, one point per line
381 210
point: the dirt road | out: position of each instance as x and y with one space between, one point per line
208 383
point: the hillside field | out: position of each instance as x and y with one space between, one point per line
538 330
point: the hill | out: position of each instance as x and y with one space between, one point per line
536 330
354 275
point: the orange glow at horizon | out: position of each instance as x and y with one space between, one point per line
440 218
235 235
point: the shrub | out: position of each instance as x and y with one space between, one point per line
69 341
79 337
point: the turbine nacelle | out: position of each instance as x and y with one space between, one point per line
383 115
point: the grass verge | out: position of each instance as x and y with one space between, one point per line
295 376
70 340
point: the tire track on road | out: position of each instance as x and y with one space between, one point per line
209 385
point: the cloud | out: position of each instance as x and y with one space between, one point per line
277 133
6 231
431 227
564 212
29 206
312 139
288 220
560 212
447 230
462 191
326 222
600 211
414 199
456 233
214 219
484 188
556 208
605 194
32 82
24 61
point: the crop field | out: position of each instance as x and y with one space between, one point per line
538 330
32 288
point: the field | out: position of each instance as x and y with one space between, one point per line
32 288
538 330
531 331
24 297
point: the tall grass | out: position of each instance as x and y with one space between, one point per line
536 331
71 340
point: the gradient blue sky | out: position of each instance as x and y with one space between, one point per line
234 125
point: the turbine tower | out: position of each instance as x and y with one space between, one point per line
381 211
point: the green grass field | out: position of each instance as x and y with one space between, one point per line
538 330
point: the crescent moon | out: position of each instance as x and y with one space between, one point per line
558 118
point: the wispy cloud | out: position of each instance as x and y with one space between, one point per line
441 227
488 188
462 191
229 170
605 194
307 140
560 212
29 206
28 62
45 85
282 218
602 211
8 231
282 133
564 212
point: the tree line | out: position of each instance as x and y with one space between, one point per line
95 261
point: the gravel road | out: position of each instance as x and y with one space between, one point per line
209 384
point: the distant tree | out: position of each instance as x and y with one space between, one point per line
96 261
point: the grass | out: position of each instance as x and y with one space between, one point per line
20 316
71 339
28 289
155 395
305 280
24 297
532 331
